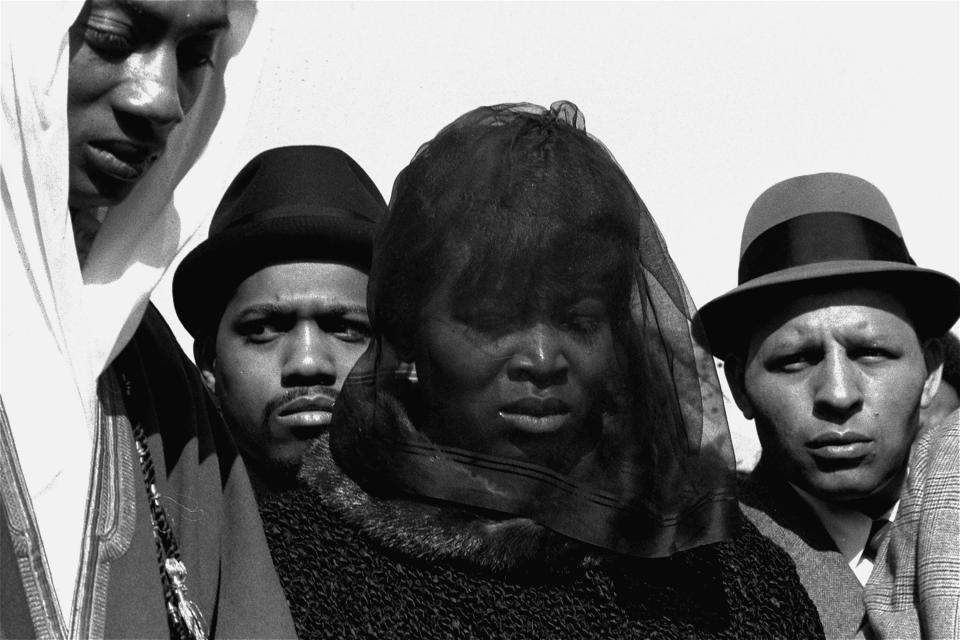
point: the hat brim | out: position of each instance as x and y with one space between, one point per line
208 276
932 298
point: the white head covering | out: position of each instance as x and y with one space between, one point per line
61 327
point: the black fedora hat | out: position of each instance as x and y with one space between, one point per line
287 204
820 232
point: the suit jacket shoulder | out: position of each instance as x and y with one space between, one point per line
915 585
780 514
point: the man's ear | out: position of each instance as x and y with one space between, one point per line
933 358
205 355
734 369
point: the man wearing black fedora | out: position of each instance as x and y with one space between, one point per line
829 345
275 299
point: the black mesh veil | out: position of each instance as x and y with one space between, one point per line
557 376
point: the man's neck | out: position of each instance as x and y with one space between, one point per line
874 505
86 224
880 501
270 482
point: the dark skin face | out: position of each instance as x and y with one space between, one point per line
835 383
514 383
136 69
284 346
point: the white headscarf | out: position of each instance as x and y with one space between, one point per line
61 327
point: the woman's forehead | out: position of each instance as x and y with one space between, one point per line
521 290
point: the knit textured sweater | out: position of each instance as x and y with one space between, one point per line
358 566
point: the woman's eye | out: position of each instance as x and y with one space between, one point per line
490 321
585 317
583 322
494 326
108 43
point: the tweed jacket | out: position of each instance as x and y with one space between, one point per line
780 514
914 590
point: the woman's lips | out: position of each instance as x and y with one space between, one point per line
840 446
536 415
119 160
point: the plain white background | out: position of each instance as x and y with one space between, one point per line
704 104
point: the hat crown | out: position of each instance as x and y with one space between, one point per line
304 180
823 232
816 193
288 204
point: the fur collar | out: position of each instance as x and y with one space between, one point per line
437 531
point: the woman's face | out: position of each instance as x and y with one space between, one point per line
510 382
136 68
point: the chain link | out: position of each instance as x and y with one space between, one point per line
184 617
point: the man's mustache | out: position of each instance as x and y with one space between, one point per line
289 395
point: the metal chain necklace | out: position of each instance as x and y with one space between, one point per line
183 615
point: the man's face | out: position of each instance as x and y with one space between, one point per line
835 383
285 344
136 68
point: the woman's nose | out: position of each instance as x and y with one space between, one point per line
537 355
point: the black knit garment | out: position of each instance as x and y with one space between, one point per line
344 581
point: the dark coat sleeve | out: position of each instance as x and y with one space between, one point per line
207 497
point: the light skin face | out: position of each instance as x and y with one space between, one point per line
835 383
136 68
285 343
514 384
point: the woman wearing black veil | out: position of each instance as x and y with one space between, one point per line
561 465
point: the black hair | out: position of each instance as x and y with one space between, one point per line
504 200
517 203
524 204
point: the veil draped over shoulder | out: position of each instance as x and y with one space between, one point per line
519 203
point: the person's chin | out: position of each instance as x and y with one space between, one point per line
283 465
842 486
89 192
290 453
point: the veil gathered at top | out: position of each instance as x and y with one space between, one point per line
655 475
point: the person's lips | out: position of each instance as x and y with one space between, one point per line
120 159
835 445
310 413
536 415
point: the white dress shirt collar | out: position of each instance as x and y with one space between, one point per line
849 530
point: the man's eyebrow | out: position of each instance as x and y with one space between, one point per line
261 309
790 342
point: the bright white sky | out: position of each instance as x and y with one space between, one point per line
704 104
